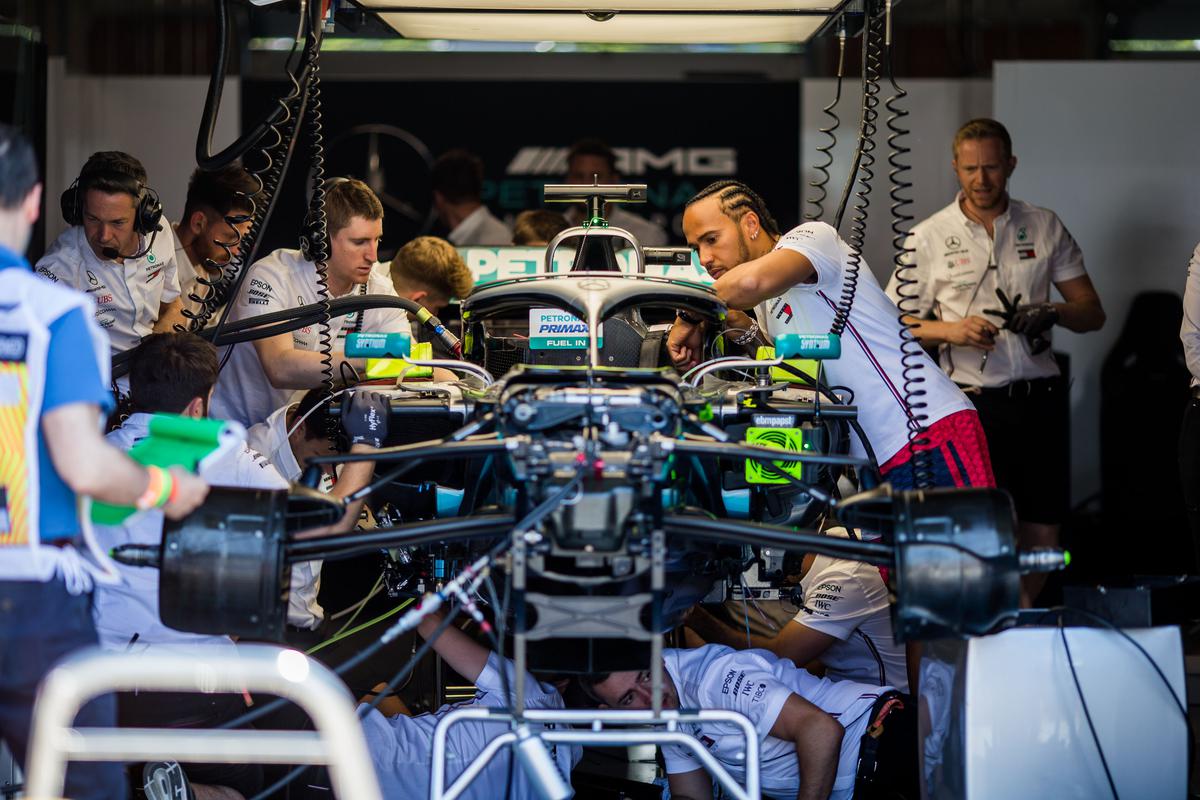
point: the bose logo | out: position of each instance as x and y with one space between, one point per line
631 161
12 346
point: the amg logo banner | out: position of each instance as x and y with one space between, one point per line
631 161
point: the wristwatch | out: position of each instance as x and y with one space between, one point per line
687 316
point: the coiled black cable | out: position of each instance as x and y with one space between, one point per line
273 154
317 233
216 289
278 162
205 159
865 160
912 356
276 142
817 200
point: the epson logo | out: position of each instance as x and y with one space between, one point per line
631 161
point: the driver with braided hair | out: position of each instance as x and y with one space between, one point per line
793 282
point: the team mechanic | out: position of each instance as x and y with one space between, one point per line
983 266
117 250
262 375
792 281
819 738
54 366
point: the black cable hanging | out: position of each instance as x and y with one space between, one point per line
274 140
283 158
872 59
318 235
912 355
205 159
817 200
267 176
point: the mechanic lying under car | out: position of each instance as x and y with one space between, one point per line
819 738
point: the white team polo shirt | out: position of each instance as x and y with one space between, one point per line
128 295
870 365
847 600
131 607
480 227
757 683
952 253
271 439
401 747
282 280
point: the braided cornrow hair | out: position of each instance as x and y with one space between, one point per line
736 199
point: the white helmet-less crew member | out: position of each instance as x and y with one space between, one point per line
262 375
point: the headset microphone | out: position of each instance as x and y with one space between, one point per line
115 168
112 253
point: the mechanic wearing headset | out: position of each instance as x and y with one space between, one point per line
54 363
261 375
983 268
118 250
818 738
793 281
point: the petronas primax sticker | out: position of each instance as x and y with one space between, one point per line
551 329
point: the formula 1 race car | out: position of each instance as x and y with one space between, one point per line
609 491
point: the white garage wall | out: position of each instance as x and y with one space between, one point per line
153 118
1111 147
937 108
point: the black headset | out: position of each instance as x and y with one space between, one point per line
148 208
309 228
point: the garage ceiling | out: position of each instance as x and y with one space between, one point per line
627 21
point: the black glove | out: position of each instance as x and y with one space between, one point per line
365 418
1030 320
1007 310
1034 319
